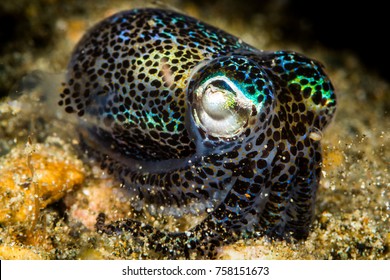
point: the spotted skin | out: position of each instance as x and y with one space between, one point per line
136 80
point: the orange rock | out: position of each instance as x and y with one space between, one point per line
16 252
30 182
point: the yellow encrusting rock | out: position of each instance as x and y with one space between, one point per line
17 252
29 181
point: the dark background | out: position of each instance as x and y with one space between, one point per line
345 26
360 27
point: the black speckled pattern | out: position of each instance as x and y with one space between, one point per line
194 121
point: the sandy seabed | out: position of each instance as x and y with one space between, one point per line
353 204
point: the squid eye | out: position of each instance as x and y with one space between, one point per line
220 108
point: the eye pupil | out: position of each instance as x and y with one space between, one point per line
222 85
